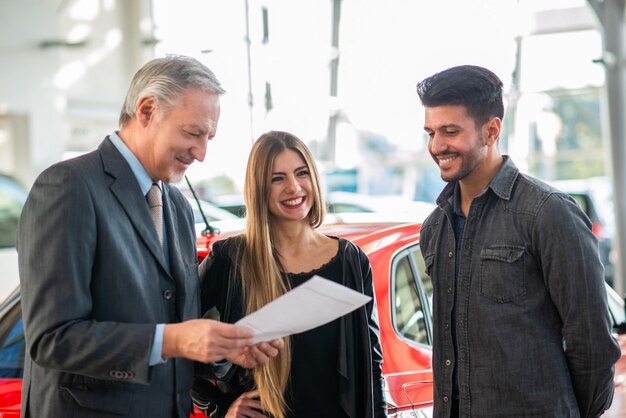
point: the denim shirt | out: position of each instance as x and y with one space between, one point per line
533 331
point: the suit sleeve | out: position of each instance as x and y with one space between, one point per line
57 242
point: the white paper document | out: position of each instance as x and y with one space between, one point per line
313 303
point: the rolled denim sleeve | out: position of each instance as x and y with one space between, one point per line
574 275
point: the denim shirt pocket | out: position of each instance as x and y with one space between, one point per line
502 272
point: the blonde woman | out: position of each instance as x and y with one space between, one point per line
330 371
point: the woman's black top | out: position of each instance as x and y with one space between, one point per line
336 368
313 389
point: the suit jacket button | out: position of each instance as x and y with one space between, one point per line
168 294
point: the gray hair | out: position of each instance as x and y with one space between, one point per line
166 79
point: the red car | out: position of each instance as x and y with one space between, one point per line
403 293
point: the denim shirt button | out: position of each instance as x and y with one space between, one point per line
446 326
450 254
448 362
449 290
445 398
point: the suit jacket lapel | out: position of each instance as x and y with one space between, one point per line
126 189
177 265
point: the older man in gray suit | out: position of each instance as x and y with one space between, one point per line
109 296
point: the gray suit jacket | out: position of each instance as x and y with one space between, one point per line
94 284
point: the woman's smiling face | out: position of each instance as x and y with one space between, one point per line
291 189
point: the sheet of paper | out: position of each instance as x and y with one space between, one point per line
313 303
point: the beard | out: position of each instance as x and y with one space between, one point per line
469 161
175 173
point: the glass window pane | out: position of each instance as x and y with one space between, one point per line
409 314
12 198
427 284
12 344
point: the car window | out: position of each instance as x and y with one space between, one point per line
12 343
237 210
12 199
411 302
616 306
347 207
420 265
211 212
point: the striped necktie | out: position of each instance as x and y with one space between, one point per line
156 209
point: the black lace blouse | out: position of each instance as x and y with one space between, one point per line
314 382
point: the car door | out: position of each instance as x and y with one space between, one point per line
411 297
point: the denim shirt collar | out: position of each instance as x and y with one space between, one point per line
456 200
504 180
501 184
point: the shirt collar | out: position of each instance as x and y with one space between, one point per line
456 200
501 184
144 180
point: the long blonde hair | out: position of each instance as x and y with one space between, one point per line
260 269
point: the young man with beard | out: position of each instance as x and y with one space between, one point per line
521 320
